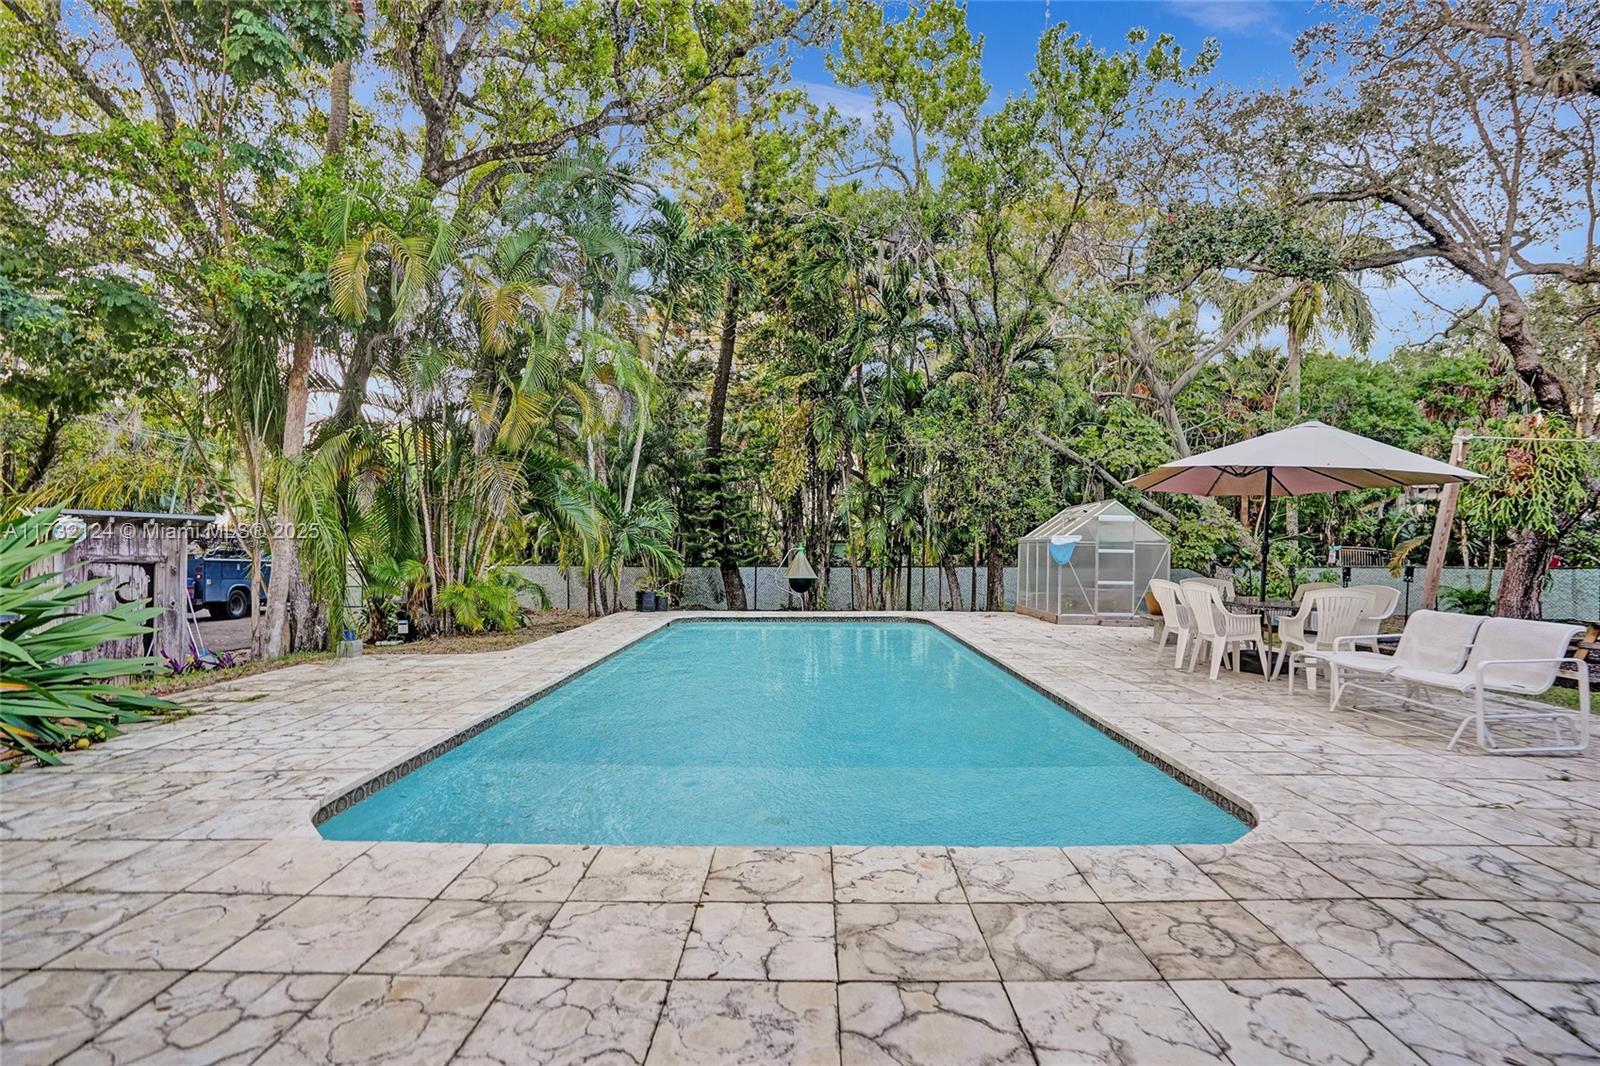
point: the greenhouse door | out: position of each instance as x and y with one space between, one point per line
1114 588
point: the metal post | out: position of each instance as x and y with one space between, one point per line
1411 572
1266 532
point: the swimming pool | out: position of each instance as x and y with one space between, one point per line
796 733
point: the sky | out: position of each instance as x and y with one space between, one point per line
1256 39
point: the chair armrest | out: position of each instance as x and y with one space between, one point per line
1519 662
1342 643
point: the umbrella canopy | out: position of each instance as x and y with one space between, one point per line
1310 457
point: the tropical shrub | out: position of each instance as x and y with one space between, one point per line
49 705
1467 600
488 602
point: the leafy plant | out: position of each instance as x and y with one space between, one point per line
488 602
50 705
1468 600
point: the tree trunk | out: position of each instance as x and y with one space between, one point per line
53 424
338 108
1291 509
1522 577
995 563
732 580
285 545
953 580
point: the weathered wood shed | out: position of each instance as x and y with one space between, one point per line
143 556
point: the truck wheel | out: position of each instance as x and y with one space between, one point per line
238 603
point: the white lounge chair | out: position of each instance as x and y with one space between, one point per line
1433 640
1514 657
1174 620
1219 628
1508 656
1339 613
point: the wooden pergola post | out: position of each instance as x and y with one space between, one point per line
1443 519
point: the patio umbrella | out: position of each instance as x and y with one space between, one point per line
1311 457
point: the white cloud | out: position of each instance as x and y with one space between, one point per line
1232 16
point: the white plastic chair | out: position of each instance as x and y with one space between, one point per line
1516 657
1312 586
1223 585
1175 619
1384 601
1339 613
1219 628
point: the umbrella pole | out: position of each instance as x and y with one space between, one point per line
1266 532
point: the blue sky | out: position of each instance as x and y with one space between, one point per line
1256 39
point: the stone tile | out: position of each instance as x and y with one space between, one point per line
1497 940
530 873
37 928
286 867
727 1023
320 934
1265 871
1140 874
47 1013
948 1024
1396 823
1574 1007
620 941
396 869
1385 871
1208 939
549 1021
1110 1023
895 875
1578 922
370 1019
1468 1022
1059 942
465 938
1356 938
1500 873
761 942
180 933
169 866
1266 1023
755 875
1580 863
669 875
208 1017
1020 875
26 866
911 942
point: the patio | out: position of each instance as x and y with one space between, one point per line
166 897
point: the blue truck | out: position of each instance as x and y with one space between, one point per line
221 584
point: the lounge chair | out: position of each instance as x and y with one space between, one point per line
1508 656
1219 628
1339 614
1174 619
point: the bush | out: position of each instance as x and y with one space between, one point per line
50 705
1467 600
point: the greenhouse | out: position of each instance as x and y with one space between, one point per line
1090 563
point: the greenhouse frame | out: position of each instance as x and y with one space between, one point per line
1090 563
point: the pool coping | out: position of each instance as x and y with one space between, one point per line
346 797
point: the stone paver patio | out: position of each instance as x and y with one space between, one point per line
166 898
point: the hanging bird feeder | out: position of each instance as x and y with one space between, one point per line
801 577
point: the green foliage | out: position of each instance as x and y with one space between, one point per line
1191 239
487 603
1532 481
1467 600
49 705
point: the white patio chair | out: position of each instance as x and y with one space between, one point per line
1339 613
1223 585
1174 620
1384 602
1433 640
1514 657
1311 586
1217 627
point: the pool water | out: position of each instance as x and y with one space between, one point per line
791 733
